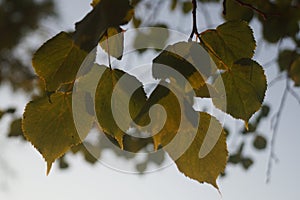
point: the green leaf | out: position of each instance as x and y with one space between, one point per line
245 86
187 6
155 37
199 152
93 26
58 60
234 11
286 58
50 126
226 44
294 72
163 126
260 142
207 168
113 42
16 129
187 59
106 106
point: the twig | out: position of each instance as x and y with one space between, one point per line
275 121
293 93
276 79
261 13
194 12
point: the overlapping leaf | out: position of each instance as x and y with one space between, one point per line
89 30
109 109
199 150
50 126
245 87
206 157
58 61
226 44
113 42
188 60
295 72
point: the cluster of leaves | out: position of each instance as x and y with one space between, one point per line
48 121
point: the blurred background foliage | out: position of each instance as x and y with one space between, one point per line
279 20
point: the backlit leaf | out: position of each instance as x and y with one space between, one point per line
295 72
197 166
58 61
106 13
187 59
113 42
50 126
109 109
245 87
226 44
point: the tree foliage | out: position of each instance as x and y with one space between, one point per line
48 120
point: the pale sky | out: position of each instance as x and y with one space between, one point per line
24 176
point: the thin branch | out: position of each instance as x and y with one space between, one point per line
293 93
260 12
194 12
276 79
275 121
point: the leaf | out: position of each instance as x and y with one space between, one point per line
58 60
161 125
260 142
95 2
194 163
110 111
187 59
286 58
234 11
226 44
245 86
16 129
113 42
50 126
106 13
155 37
187 7
199 152
294 72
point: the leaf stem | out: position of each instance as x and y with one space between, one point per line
108 52
194 13
248 5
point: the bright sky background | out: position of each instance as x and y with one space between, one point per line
22 168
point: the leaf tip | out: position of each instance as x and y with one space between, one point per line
120 142
247 125
49 165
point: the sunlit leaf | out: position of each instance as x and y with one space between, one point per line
58 61
207 168
113 42
226 44
295 72
245 87
16 129
50 126
93 26
109 109
187 59
234 11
